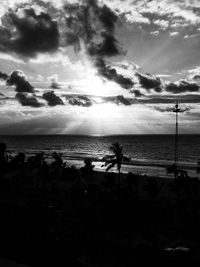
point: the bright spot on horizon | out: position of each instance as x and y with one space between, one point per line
102 117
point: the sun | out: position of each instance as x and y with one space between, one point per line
96 85
93 84
104 111
101 118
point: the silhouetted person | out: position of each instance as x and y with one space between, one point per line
87 173
87 170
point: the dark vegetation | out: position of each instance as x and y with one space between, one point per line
56 215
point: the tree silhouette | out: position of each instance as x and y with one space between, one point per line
115 159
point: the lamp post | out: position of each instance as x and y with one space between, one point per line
176 110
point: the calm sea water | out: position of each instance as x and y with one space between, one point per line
150 154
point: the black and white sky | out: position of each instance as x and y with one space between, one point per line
99 67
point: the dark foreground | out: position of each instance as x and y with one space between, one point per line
54 215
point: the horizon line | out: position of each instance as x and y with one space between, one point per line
98 135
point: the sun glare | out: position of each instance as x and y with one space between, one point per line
104 111
102 117
93 84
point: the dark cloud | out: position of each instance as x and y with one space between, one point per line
55 85
137 93
182 87
112 75
172 88
3 76
170 99
157 100
109 47
107 17
104 14
26 32
80 100
158 89
2 95
170 109
196 77
189 98
52 99
79 22
88 19
54 82
120 99
28 100
164 109
94 25
148 82
19 79
89 100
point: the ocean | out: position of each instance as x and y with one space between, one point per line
150 154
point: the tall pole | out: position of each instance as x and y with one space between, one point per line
176 110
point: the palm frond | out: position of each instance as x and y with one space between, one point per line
115 148
110 166
116 158
111 161
108 157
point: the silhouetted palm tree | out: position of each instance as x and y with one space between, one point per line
115 159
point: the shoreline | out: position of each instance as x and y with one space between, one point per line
155 167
